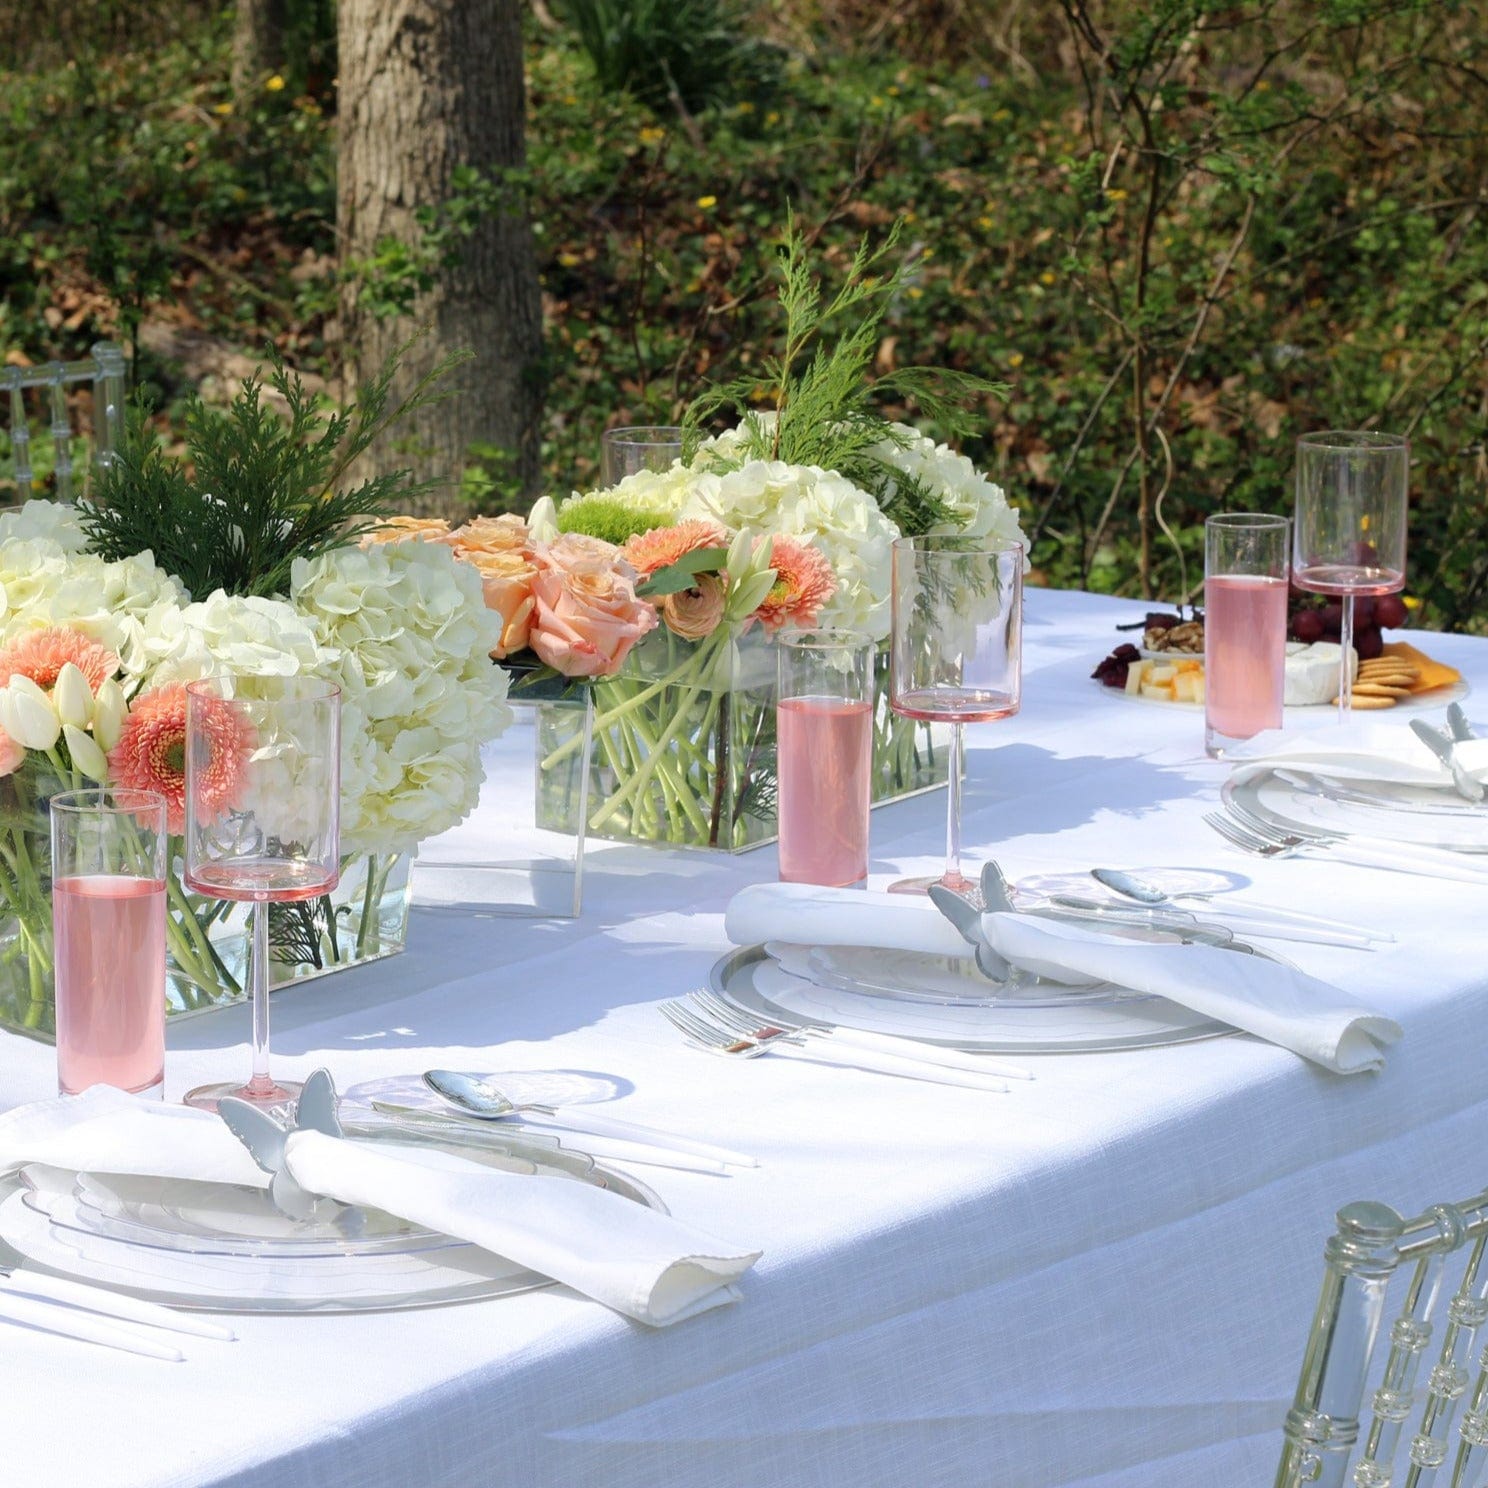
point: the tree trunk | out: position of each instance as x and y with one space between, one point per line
258 43
427 86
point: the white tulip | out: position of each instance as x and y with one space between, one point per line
27 715
86 755
109 711
72 697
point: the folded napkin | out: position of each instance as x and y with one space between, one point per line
1259 996
807 915
645 1264
1367 752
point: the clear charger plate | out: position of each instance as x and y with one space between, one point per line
1112 1019
1412 814
213 1247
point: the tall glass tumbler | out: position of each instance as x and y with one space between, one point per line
1353 495
108 919
824 731
1245 622
623 452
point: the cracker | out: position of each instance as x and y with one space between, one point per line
1379 689
1367 702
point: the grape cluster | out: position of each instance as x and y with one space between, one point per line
1313 620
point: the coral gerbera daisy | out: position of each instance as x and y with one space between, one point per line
803 584
151 752
648 552
41 655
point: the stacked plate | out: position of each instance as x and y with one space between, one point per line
226 1247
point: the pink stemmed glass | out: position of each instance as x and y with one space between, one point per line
1349 532
956 652
263 772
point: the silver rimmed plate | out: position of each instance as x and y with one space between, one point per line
207 1246
1422 817
1048 1025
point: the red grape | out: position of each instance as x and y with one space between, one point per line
1390 611
1364 611
1368 642
1307 625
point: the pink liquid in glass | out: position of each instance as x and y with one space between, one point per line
826 753
110 943
955 704
1244 653
1348 578
260 879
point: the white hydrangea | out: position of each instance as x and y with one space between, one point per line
125 605
821 507
56 521
980 508
234 635
411 637
662 491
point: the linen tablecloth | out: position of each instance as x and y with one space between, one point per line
1103 1278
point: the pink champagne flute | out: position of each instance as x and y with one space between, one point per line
263 774
1349 534
956 652
108 924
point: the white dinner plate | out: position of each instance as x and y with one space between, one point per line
174 1251
1042 1025
1416 815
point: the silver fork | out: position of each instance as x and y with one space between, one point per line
1251 841
698 1030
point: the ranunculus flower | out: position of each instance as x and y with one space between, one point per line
803 584
587 616
696 612
400 529
504 534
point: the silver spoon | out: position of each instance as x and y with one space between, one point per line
479 1098
1129 886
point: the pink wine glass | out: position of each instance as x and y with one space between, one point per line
1349 533
956 652
263 772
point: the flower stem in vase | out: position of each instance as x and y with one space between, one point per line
720 770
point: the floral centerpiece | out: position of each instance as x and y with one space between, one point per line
665 592
109 609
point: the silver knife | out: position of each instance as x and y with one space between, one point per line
1444 748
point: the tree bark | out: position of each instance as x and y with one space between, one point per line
258 43
427 86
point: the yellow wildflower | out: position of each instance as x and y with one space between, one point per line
1015 359
651 133
772 117
569 260
1047 277
1001 114
222 108
1116 193
984 222
274 84
706 203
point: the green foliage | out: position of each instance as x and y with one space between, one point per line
673 53
819 385
255 492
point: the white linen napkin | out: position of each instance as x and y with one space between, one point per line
1366 752
1262 997
647 1265
805 914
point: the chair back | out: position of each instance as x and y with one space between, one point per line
105 369
1334 1438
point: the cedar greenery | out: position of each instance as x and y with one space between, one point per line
256 491
823 395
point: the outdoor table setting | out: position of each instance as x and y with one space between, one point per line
956 1258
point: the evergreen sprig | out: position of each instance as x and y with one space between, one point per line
822 394
255 490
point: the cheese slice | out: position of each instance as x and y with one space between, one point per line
1434 674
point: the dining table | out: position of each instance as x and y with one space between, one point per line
1102 1276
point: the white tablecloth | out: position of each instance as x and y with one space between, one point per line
1103 1278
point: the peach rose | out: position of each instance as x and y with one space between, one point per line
586 616
507 581
696 612
503 534
400 529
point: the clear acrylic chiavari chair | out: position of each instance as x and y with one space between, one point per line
1426 1423
105 370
